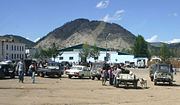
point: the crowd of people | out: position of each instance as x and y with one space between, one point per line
21 67
112 73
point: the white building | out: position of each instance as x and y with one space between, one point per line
11 49
71 54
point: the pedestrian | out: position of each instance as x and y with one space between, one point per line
32 68
111 75
20 68
103 75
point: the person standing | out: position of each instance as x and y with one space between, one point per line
20 68
111 75
103 75
33 69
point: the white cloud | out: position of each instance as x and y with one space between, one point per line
174 41
103 4
117 16
152 39
27 38
175 14
37 39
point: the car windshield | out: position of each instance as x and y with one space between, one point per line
96 66
77 68
52 64
164 68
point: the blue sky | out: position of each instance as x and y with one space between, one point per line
155 20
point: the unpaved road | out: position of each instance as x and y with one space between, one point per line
53 91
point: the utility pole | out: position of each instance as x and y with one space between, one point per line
106 46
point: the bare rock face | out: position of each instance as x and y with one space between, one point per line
91 32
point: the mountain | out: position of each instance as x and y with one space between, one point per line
91 32
20 39
158 45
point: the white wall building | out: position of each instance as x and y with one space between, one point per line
71 54
11 49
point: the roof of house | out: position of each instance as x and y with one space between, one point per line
80 46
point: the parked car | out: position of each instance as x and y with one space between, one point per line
78 71
7 69
96 70
127 64
161 72
126 77
52 69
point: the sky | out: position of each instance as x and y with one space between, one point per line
155 20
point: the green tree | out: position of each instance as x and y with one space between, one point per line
164 52
140 48
37 55
95 52
51 52
85 52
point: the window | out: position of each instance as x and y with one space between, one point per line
17 55
96 58
6 47
19 48
60 58
70 58
15 48
22 55
12 56
12 47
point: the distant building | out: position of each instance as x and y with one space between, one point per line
11 49
71 54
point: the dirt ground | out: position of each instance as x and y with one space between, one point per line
53 91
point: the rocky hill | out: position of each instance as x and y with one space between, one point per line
92 32
21 39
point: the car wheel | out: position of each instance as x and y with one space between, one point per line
170 83
117 84
80 77
155 82
89 77
69 76
12 76
59 75
135 84
152 79
99 78
93 78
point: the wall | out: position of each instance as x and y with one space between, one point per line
14 53
1 51
114 57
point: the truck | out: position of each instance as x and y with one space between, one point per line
161 72
52 69
125 77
